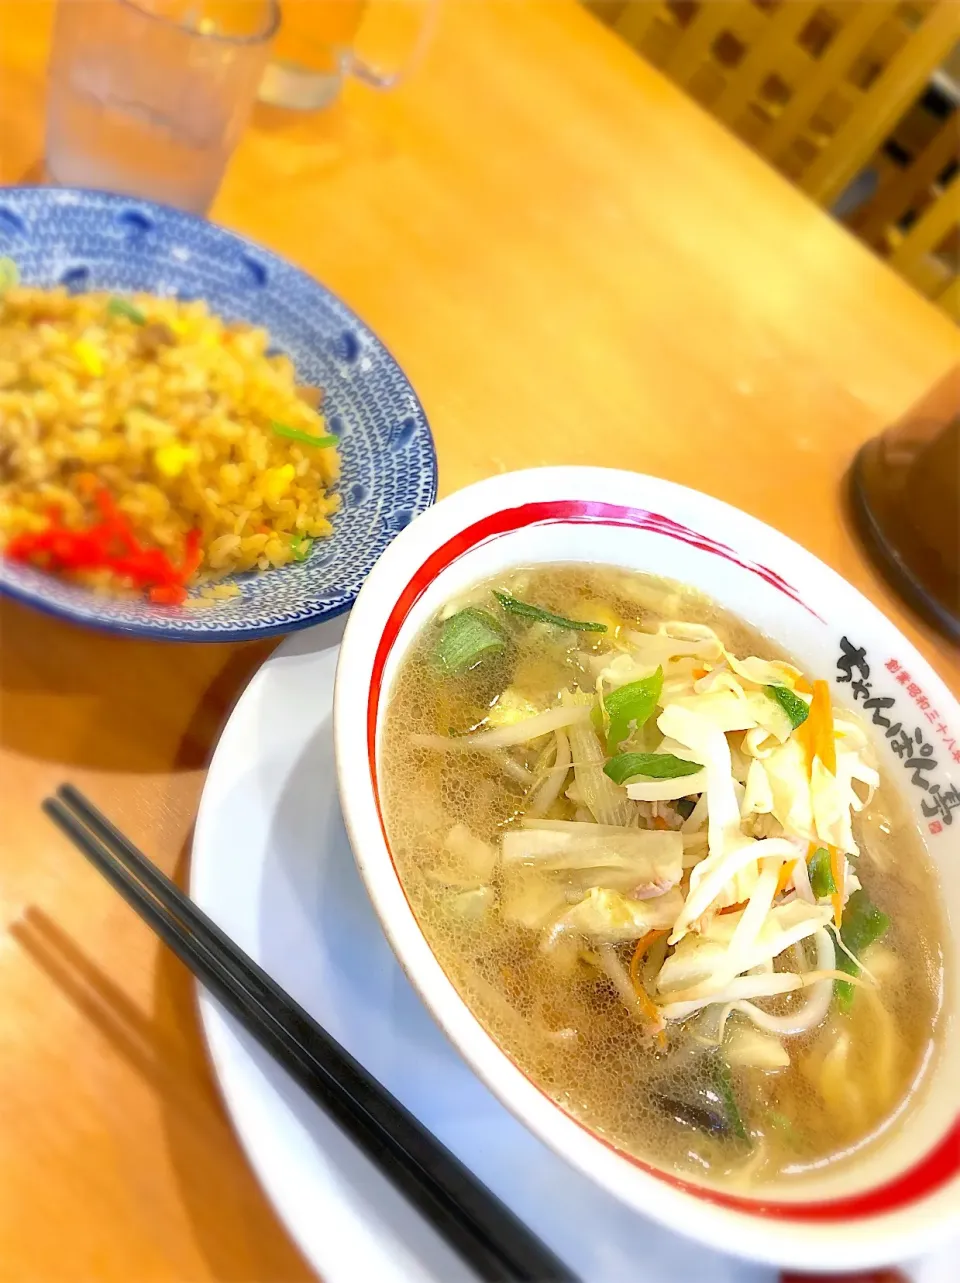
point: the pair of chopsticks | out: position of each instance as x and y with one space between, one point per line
473 1221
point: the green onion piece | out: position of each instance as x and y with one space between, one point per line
466 638
841 988
723 1087
629 706
821 874
796 709
655 766
304 438
300 547
522 608
863 923
122 307
9 275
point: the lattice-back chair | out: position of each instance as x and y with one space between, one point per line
912 219
814 87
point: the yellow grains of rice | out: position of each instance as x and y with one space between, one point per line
173 418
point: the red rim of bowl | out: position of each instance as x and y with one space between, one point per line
923 1177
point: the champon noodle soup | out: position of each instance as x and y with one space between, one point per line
664 873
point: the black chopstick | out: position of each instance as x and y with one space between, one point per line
473 1221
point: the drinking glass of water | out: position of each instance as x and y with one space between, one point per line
149 97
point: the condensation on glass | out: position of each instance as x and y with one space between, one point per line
150 97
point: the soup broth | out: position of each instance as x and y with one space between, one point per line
556 878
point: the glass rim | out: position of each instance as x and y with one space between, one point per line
272 24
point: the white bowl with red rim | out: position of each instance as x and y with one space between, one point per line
903 1195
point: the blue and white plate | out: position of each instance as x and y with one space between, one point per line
96 241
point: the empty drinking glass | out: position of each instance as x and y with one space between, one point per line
149 97
313 55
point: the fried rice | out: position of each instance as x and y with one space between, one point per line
185 421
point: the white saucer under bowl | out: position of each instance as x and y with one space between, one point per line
272 865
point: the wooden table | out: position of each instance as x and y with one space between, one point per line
574 265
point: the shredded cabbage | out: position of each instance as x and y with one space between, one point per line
648 861
709 745
701 856
757 794
723 709
530 899
752 1049
509 736
606 802
608 915
829 798
788 775
667 790
754 915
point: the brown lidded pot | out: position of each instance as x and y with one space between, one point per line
905 491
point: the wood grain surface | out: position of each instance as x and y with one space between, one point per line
574 265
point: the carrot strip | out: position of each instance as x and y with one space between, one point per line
647 1005
698 673
803 686
660 823
643 944
816 733
786 870
732 908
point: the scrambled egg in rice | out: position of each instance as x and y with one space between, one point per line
175 421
